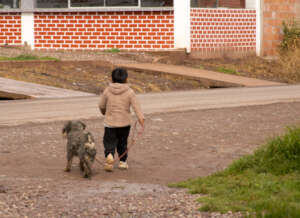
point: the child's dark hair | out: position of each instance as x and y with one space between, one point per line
119 75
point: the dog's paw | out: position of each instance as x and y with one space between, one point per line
86 176
81 168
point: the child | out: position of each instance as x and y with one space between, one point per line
115 104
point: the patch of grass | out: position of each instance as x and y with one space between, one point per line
266 184
27 58
227 70
113 50
47 58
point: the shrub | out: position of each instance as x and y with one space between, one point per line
290 52
291 37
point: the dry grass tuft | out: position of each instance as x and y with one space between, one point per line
290 64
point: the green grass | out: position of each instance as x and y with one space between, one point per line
266 184
27 58
227 71
113 50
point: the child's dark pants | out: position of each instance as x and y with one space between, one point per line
116 138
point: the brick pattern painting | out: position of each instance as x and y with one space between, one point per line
10 29
214 30
141 30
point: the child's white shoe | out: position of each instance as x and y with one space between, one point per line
123 165
108 166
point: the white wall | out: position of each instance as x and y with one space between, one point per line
182 24
28 29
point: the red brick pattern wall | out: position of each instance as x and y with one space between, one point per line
105 30
213 30
10 29
274 13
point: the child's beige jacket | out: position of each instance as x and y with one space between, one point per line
115 103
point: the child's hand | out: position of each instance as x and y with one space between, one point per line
142 123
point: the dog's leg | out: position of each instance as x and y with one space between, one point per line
69 161
87 167
81 165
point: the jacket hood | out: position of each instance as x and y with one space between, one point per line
118 88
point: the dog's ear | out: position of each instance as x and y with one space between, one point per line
67 128
83 125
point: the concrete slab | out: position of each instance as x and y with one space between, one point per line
224 80
32 90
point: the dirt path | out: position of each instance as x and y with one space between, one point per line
175 147
45 110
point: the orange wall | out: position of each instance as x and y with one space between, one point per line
274 13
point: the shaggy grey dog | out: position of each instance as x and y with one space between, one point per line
79 143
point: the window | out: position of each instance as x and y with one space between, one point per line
218 3
101 3
51 3
157 3
118 3
87 3
8 4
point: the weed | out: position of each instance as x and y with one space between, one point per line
266 184
113 50
291 36
27 57
227 70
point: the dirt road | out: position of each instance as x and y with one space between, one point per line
176 146
20 112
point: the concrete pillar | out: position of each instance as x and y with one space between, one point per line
27 22
27 25
27 4
259 26
15 5
182 23
250 4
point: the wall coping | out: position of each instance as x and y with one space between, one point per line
106 9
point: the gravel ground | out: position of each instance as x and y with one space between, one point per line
49 198
175 147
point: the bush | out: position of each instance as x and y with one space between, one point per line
290 52
291 37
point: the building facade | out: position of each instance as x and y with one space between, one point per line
203 26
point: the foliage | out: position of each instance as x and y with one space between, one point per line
113 50
291 37
27 57
266 184
227 70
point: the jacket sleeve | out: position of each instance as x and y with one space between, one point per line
136 106
103 102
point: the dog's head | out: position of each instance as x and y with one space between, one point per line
74 125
